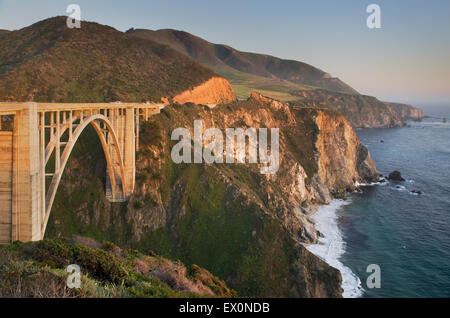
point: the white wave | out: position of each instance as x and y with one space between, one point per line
332 246
382 182
399 188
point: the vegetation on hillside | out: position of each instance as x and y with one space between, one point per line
38 269
3 33
48 62
269 75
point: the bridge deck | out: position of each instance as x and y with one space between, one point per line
7 108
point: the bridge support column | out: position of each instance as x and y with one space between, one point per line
129 152
6 145
26 177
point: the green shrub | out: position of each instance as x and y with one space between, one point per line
98 263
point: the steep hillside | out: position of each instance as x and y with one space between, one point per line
50 62
255 70
244 227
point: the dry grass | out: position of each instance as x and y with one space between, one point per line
23 279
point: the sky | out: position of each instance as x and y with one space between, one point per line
406 60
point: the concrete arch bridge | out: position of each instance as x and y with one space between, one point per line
34 153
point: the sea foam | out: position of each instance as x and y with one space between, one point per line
332 246
382 182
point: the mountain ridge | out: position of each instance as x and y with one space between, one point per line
224 59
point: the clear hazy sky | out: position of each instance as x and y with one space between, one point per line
408 59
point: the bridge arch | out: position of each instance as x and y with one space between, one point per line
112 150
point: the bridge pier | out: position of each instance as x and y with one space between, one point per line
129 152
27 209
6 146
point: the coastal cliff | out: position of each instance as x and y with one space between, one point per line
244 227
407 111
344 159
362 111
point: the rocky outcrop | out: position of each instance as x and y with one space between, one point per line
216 90
395 176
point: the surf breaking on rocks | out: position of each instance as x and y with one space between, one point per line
332 246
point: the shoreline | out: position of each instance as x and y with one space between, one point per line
332 245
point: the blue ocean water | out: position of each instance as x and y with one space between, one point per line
407 235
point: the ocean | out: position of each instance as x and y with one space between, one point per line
406 234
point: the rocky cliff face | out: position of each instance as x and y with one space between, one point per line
216 90
407 111
343 159
244 227
362 111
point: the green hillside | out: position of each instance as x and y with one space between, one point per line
269 75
